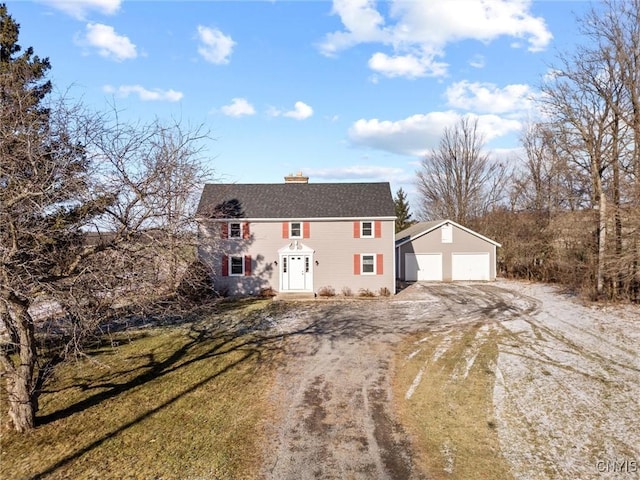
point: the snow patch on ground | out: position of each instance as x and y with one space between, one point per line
414 384
413 354
567 387
444 345
448 452
470 354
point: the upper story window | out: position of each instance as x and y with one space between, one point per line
366 230
295 230
235 230
447 233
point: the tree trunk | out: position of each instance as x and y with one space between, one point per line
22 411
20 378
602 241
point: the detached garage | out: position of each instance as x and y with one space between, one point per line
444 251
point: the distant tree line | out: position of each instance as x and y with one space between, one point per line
570 213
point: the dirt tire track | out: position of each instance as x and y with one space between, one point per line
337 422
336 417
335 395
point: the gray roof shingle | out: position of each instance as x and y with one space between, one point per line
415 229
289 200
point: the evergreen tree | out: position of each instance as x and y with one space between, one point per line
403 216
43 185
63 172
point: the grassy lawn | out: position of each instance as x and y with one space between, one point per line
183 402
449 410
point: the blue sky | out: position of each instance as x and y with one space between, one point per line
349 90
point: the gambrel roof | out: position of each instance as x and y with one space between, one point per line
297 201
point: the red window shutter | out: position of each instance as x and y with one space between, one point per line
245 230
356 264
247 266
285 229
306 230
356 229
378 229
225 266
379 269
224 231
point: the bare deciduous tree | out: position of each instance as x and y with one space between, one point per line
457 180
547 184
90 209
587 106
579 181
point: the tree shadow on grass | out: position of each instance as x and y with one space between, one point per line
77 454
222 342
254 335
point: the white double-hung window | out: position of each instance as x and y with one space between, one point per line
368 265
366 230
235 230
236 265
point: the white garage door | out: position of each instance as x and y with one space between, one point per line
423 266
470 266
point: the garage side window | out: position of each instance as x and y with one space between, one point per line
447 233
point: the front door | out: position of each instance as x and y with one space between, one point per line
297 272
296 268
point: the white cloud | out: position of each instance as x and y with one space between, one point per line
410 66
411 136
301 111
427 27
238 107
108 43
439 23
155 95
487 97
356 172
478 61
215 46
362 21
419 133
80 8
494 126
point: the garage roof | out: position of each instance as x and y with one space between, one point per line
422 228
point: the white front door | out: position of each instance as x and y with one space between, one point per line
296 268
297 272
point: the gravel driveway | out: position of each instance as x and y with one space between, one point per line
565 396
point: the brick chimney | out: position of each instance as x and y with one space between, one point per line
297 178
